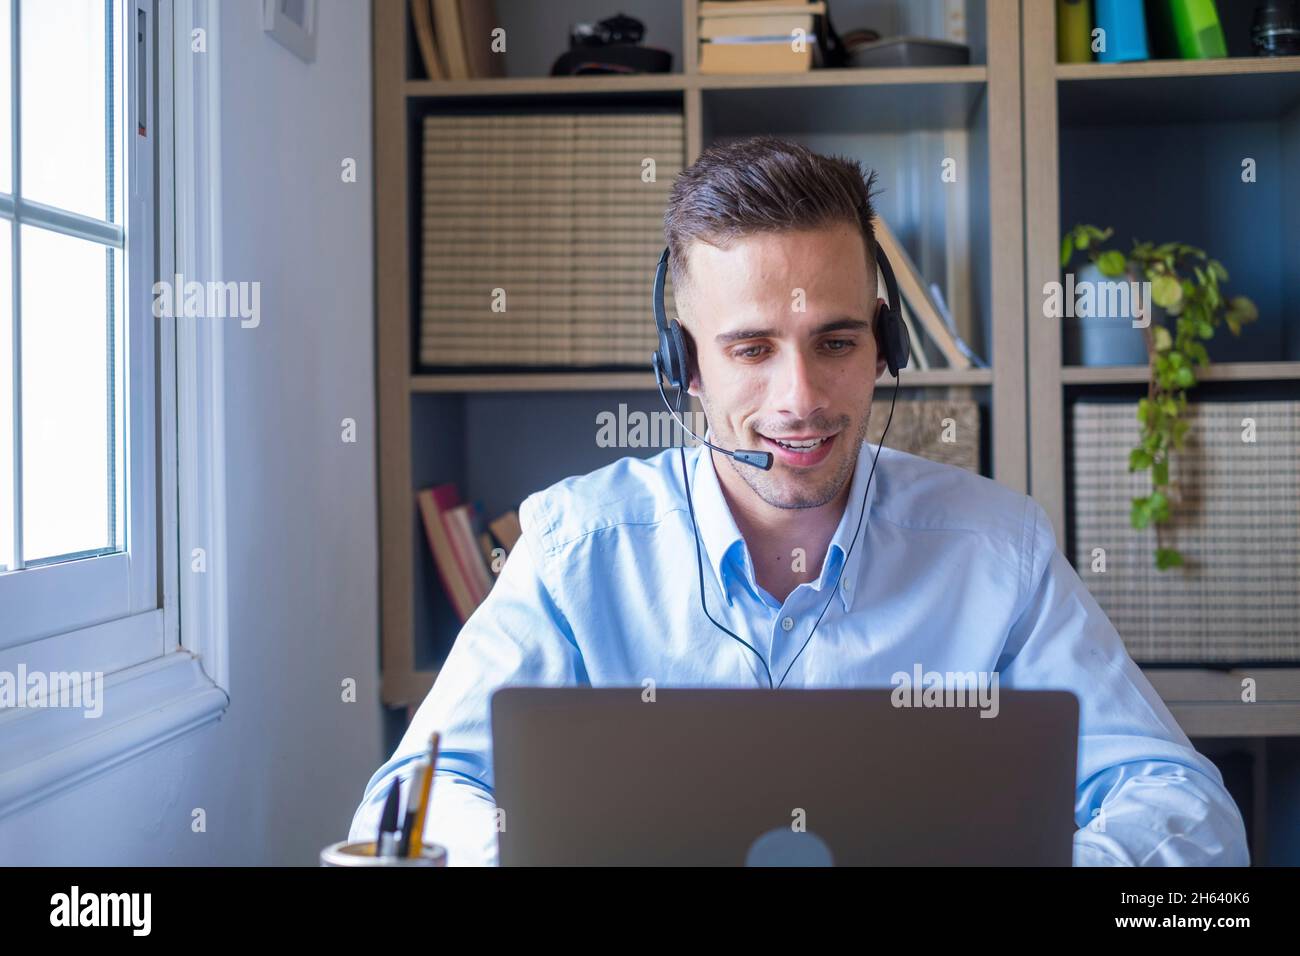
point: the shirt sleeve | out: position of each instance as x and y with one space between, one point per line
517 636
1144 795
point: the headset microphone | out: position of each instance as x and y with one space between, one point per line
759 459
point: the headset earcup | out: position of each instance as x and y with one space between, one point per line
678 364
662 357
897 344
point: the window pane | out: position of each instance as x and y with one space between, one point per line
6 397
69 360
65 118
6 110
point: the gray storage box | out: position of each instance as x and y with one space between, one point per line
909 51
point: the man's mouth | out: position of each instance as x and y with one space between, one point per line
802 451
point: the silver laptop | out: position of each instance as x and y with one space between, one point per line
723 777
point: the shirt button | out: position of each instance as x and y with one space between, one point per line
847 584
787 623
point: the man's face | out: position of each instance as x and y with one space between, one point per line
783 330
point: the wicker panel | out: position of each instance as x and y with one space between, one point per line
1236 521
918 428
553 210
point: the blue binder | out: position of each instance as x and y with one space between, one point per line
1126 31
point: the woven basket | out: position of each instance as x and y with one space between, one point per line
918 428
1235 519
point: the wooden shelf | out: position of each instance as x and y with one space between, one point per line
643 381
535 382
1161 92
659 82
823 101
1207 703
883 76
1223 66
916 378
1221 372
1202 719
543 85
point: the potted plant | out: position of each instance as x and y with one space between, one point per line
1185 285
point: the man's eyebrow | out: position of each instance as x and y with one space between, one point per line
837 325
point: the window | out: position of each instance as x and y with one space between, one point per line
78 463
111 439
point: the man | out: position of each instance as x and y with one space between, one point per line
773 255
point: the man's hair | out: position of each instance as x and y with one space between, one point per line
763 184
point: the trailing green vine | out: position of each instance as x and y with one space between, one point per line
1186 284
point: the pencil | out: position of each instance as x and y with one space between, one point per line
420 807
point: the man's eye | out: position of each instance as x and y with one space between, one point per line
749 351
839 345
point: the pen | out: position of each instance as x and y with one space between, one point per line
386 844
417 809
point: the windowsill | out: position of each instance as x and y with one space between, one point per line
46 750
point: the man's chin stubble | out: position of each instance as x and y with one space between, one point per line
761 486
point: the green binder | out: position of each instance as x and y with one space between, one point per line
1197 33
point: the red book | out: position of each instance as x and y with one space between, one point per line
460 527
433 502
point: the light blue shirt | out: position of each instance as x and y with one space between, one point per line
952 571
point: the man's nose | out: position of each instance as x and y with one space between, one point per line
799 393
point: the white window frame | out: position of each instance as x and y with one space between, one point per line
62 596
165 666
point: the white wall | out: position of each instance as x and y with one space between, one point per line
280 775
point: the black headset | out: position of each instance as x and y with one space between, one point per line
671 361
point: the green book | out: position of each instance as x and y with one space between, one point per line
1197 33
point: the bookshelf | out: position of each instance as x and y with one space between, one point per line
1154 148
991 242
433 423
1077 115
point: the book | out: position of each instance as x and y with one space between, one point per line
506 529
460 528
738 8
913 288
478 19
917 356
433 501
486 546
451 37
422 19
712 28
765 56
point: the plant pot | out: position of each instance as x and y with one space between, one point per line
1109 339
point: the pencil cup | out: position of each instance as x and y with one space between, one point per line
363 854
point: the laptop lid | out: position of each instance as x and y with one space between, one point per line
605 776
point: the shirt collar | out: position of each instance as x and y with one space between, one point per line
725 548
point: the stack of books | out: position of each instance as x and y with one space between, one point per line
455 38
540 234
758 36
466 556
